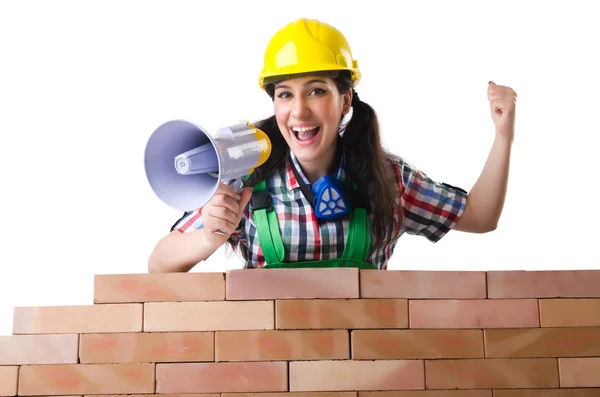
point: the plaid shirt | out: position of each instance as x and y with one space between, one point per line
431 209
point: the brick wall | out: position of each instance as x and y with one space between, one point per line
315 332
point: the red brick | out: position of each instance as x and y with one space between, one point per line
422 284
147 347
341 313
416 344
326 283
547 393
579 372
158 287
38 349
8 380
491 373
293 394
542 342
484 313
570 312
544 284
73 379
77 319
208 316
427 393
356 375
156 395
282 345
221 377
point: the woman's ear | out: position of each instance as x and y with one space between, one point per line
347 102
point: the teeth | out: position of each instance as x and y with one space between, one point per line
303 129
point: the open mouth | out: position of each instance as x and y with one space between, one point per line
305 134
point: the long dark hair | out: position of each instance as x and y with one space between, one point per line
366 164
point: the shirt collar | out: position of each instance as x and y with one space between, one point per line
290 178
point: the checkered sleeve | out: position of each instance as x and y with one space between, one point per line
193 220
189 222
431 208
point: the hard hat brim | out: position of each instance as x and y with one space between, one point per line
275 78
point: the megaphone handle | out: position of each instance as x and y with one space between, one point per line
237 185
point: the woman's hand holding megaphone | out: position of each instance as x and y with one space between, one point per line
223 213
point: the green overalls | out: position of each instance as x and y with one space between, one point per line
355 252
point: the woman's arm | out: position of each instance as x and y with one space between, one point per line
486 199
180 252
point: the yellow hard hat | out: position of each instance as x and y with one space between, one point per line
305 46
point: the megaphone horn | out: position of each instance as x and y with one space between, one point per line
185 165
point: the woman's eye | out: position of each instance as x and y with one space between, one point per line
283 95
317 91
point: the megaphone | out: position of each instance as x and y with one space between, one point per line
185 164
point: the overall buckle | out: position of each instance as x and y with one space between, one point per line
261 200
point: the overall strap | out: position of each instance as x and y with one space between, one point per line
358 241
267 224
359 230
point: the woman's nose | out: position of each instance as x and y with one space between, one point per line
300 108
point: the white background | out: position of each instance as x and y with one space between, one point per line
84 83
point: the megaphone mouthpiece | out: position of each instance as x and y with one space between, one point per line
200 160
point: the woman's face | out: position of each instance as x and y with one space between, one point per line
308 112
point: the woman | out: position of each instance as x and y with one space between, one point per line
329 195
